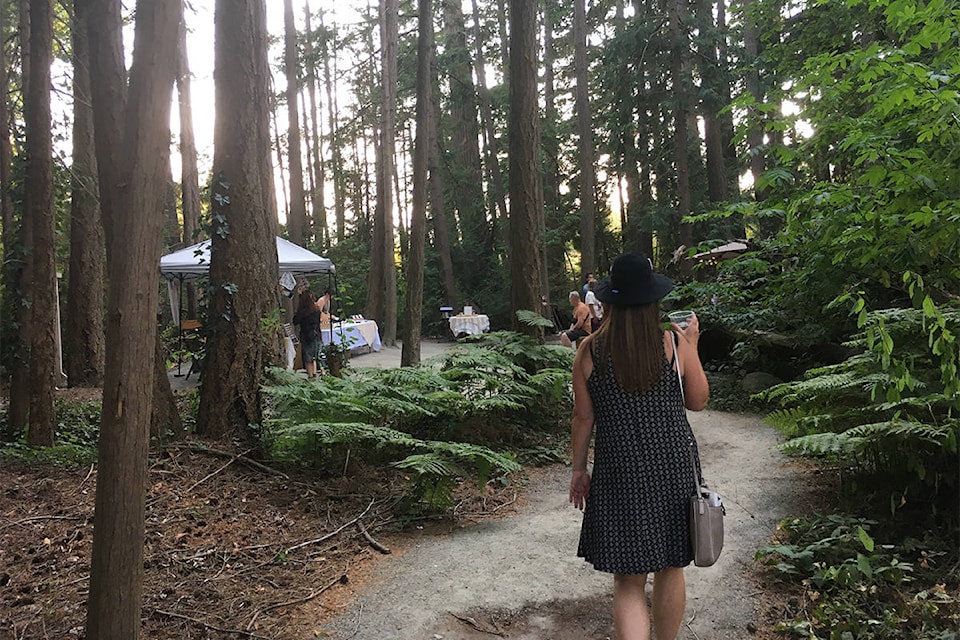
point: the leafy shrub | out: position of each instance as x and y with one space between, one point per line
438 421
854 587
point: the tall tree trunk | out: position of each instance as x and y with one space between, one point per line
526 193
678 43
711 77
465 175
424 113
243 259
19 409
84 338
297 220
336 153
382 288
751 49
39 206
438 214
553 253
11 294
318 196
491 150
133 158
588 178
190 175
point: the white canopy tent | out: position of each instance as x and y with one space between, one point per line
194 262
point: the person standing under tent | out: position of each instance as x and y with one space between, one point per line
307 319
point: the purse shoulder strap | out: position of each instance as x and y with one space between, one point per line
697 481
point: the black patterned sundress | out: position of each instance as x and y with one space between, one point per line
636 518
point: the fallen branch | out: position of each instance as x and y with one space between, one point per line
332 533
476 625
341 579
370 539
37 519
210 475
240 458
207 625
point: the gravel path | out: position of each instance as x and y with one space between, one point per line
520 577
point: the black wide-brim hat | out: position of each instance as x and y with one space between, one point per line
632 281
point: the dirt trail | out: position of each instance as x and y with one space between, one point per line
520 577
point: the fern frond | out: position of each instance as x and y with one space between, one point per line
830 445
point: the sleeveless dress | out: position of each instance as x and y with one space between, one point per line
636 518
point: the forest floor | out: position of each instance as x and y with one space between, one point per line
237 550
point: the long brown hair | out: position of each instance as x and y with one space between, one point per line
633 337
306 300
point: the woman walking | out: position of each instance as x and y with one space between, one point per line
636 500
307 319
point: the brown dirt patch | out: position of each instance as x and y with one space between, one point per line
227 546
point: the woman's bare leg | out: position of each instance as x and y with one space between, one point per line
630 615
669 600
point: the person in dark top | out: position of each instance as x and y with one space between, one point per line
627 392
307 319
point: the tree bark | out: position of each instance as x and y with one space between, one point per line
438 214
424 114
588 178
336 153
297 222
243 260
39 205
84 337
678 44
22 274
526 194
190 175
318 188
553 254
382 288
133 159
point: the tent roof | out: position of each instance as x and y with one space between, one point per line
194 261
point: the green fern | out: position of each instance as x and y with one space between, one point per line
820 445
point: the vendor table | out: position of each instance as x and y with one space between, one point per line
471 325
353 334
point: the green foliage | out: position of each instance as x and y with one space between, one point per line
437 421
856 587
77 433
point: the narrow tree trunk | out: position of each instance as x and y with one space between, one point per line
526 194
424 114
552 254
190 175
243 260
336 153
297 218
133 158
441 233
39 205
318 188
588 179
83 335
678 45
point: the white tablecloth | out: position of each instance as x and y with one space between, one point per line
352 334
469 324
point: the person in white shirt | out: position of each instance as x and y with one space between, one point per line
595 306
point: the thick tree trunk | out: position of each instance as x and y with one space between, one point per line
83 335
39 206
190 175
412 322
382 289
526 194
133 158
22 275
243 260
588 178
465 175
297 220
711 77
